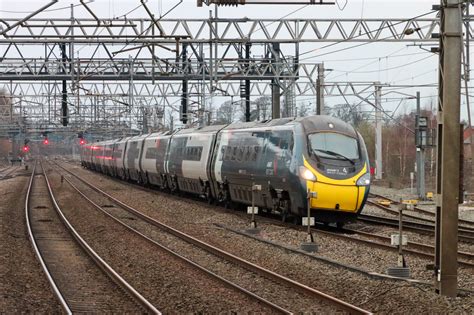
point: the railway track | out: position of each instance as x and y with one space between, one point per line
415 209
81 280
418 249
284 285
7 171
377 241
465 234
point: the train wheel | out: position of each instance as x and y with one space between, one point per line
296 220
285 210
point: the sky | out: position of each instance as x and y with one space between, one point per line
388 63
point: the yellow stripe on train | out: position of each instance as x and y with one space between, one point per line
336 194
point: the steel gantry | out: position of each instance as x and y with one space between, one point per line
113 52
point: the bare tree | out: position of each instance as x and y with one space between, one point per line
226 113
304 110
349 113
264 107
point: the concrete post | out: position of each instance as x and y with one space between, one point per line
378 132
447 188
320 90
276 111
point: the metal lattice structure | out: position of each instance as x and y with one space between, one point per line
115 72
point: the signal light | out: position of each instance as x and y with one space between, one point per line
26 148
82 141
45 141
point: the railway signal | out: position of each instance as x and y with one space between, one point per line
26 147
45 141
80 135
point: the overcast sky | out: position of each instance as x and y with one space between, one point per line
405 64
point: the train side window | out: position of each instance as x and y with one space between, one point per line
240 154
247 153
151 153
234 153
256 151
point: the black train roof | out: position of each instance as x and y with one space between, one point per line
310 124
322 122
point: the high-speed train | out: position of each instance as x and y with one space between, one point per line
319 161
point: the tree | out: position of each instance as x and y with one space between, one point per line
226 113
304 110
349 113
264 107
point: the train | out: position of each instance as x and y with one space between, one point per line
285 165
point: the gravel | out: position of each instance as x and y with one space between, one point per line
385 296
169 284
465 212
23 285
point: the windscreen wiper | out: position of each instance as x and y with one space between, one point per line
332 153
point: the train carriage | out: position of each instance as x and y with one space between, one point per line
118 154
97 152
188 160
254 153
86 156
107 157
132 157
152 163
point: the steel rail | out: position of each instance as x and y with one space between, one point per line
7 171
56 291
463 235
375 244
417 245
225 255
382 238
214 275
97 259
417 209
461 228
395 249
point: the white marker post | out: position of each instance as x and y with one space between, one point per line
253 210
401 270
309 245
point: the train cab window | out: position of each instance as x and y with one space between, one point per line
334 146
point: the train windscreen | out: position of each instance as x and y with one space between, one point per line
334 146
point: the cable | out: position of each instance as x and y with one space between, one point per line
380 57
365 65
412 77
385 69
48 10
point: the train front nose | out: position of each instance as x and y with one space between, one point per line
337 197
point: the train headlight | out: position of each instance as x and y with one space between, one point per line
364 180
307 174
